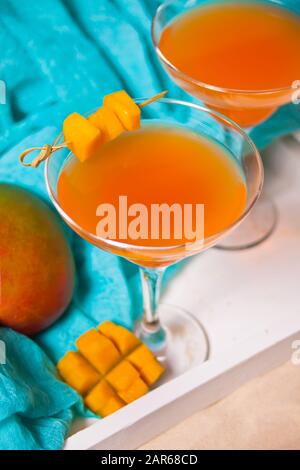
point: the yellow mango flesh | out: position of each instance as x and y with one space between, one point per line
98 350
125 108
145 362
140 356
103 400
77 372
136 390
111 369
83 138
122 338
122 376
151 372
113 404
108 123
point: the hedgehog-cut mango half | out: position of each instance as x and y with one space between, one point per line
84 136
110 368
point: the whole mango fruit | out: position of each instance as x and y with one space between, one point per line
37 272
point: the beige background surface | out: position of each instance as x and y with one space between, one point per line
263 414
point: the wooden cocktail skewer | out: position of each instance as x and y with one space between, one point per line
154 98
47 149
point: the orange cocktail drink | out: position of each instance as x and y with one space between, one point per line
155 165
240 57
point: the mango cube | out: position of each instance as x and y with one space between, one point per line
151 372
122 376
77 372
147 365
123 338
140 356
98 350
136 390
111 369
125 108
113 404
82 137
103 400
108 123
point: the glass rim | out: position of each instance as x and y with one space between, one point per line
209 241
199 83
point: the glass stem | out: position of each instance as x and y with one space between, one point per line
150 330
151 284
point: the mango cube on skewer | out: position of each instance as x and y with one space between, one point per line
122 338
125 108
108 123
77 372
82 137
98 350
103 400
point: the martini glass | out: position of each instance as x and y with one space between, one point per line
175 336
247 108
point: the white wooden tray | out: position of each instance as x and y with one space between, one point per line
249 304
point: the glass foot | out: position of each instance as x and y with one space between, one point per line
255 229
180 345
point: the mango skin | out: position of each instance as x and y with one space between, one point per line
37 272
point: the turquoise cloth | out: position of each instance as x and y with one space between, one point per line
57 56
35 410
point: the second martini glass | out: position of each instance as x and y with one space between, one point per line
247 107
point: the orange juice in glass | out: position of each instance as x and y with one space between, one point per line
156 164
240 58
183 155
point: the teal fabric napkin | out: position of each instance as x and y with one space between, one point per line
35 410
56 57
